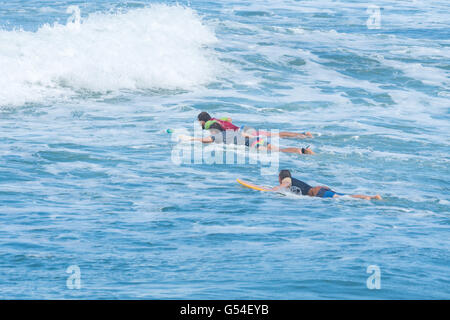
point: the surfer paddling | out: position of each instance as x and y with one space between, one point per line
221 135
287 182
206 121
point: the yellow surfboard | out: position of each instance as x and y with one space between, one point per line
252 186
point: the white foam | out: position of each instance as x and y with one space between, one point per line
157 47
428 75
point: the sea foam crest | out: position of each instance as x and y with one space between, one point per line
157 47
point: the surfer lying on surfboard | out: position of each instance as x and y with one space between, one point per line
300 187
220 135
206 121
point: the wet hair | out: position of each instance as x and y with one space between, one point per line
284 174
203 116
216 126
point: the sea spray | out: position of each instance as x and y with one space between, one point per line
157 47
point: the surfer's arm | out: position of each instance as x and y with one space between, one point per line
284 185
203 140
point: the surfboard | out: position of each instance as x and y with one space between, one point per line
251 185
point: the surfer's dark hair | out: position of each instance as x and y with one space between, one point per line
203 116
216 126
284 174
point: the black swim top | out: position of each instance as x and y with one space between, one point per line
299 186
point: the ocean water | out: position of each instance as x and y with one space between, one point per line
88 180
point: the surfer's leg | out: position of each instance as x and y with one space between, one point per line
332 194
291 150
328 193
297 150
287 134
362 196
273 147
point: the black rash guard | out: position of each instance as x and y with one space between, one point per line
299 186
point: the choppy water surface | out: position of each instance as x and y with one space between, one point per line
87 91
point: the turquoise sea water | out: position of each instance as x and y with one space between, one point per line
87 177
